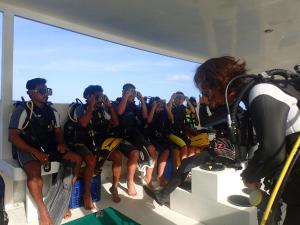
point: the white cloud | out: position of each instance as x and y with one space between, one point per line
180 77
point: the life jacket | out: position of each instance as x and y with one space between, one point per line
190 119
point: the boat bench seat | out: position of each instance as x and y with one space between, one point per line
12 169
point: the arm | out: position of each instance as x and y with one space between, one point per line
269 117
169 113
15 138
144 107
87 116
114 117
122 106
192 108
171 101
59 136
152 112
17 120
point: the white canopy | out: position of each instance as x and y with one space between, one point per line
263 32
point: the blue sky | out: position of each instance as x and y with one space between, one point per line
70 62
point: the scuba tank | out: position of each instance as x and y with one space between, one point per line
3 214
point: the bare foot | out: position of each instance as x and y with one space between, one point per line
131 189
115 194
162 182
44 218
88 203
147 182
68 214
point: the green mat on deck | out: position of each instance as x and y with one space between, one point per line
108 216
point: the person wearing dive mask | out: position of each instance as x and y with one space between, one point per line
97 118
132 119
35 130
157 130
179 135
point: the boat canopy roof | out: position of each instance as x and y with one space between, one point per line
265 33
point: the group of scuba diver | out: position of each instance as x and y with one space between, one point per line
96 131
258 137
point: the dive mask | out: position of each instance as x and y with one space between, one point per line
43 91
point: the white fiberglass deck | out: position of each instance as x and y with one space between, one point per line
140 208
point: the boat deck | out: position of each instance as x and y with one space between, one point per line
140 208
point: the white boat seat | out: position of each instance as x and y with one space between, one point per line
11 168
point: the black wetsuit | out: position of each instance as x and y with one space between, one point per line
276 120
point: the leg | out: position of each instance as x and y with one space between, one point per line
149 171
73 157
88 173
35 186
131 168
191 151
182 172
176 159
183 152
116 158
162 162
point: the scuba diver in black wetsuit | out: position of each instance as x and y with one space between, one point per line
276 120
132 118
35 131
157 130
96 121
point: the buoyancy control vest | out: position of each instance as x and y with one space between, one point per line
131 120
160 127
73 132
39 125
91 136
190 118
240 124
179 119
